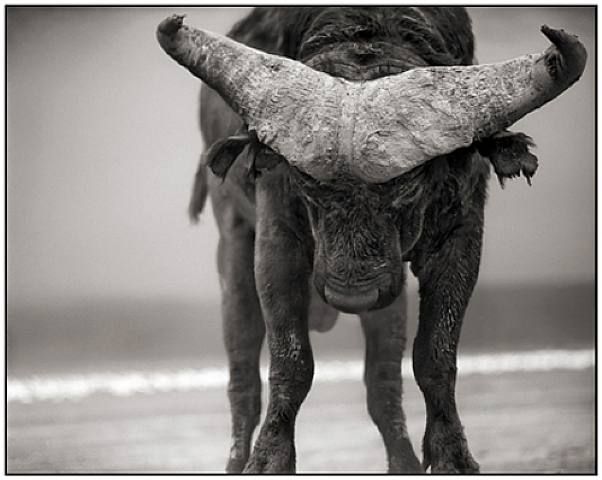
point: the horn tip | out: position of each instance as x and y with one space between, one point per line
545 29
171 24
558 36
569 46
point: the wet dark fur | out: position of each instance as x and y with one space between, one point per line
431 217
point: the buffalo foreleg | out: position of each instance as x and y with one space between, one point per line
446 280
385 341
243 333
282 271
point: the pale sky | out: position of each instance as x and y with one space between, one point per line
103 143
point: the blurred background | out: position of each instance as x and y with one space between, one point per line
106 274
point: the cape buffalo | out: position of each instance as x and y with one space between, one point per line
346 141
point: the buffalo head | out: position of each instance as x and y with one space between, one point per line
349 141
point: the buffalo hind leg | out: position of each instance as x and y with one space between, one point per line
446 283
282 271
384 331
243 334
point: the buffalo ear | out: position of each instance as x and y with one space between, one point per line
261 156
266 159
509 154
222 154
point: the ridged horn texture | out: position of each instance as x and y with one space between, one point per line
379 129
292 108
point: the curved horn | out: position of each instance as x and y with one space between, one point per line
277 97
241 75
378 129
428 112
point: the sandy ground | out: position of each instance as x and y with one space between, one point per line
527 422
